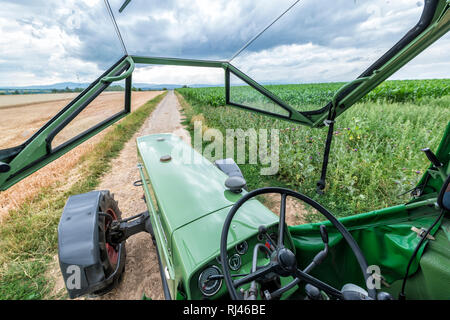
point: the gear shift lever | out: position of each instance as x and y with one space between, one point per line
436 163
324 234
322 254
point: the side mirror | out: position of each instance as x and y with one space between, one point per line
444 195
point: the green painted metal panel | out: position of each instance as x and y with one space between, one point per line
432 280
160 238
384 236
123 75
179 62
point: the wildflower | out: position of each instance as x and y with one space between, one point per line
418 171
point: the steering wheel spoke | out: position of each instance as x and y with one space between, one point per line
282 223
271 267
319 284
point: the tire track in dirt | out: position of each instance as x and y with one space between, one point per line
142 269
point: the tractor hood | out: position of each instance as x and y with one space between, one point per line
192 202
186 187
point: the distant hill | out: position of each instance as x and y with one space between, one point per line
73 85
59 86
155 86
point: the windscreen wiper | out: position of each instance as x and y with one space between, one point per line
124 5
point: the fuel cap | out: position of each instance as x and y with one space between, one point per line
165 158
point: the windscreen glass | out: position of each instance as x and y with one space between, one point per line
326 42
195 29
106 105
243 94
314 46
50 51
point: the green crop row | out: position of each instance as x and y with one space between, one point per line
312 96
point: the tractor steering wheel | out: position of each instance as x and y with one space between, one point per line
283 261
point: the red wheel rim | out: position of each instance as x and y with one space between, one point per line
113 254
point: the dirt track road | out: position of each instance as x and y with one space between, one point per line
142 271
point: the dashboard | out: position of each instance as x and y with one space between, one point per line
208 282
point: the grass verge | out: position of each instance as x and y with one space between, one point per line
28 236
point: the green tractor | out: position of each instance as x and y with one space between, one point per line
216 240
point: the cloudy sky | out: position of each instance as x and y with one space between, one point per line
49 41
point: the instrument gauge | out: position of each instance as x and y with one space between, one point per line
235 262
209 287
242 247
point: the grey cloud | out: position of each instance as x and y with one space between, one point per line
178 29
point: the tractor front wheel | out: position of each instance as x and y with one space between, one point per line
109 254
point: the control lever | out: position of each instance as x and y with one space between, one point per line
313 292
436 163
322 254
432 157
316 261
262 231
324 234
